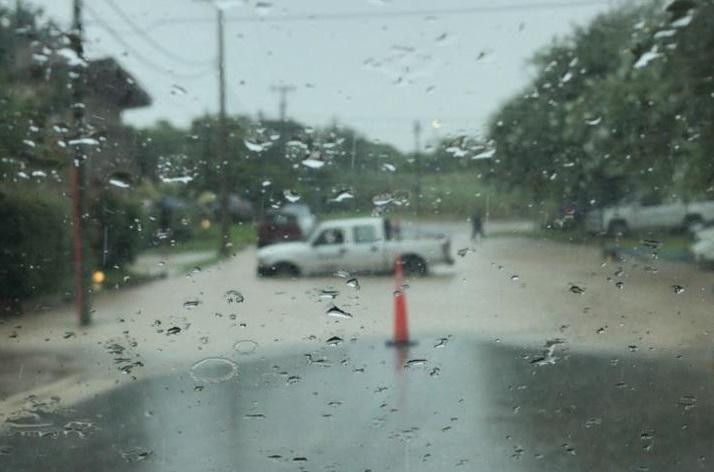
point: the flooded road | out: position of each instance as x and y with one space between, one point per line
542 347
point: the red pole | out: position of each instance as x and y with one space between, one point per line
401 330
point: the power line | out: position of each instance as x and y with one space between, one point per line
548 5
156 45
137 55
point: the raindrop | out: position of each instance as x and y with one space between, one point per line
687 402
256 146
415 362
343 274
136 454
329 294
353 282
293 379
514 277
389 167
442 343
576 289
117 182
594 121
178 90
313 163
592 422
487 154
234 296
677 289
245 346
382 199
213 370
620 285
463 251
291 196
173 330
190 304
334 341
338 313
343 195
257 416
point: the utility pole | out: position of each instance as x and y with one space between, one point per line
283 91
78 170
225 242
417 165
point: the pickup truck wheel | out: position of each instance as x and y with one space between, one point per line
617 228
414 265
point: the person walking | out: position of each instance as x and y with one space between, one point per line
476 225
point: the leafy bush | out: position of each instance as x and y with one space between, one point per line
120 230
34 247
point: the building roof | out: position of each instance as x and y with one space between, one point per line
106 78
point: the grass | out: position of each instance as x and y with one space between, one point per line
204 240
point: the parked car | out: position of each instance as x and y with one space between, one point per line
703 247
278 227
354 245
305 218
292 222
650 212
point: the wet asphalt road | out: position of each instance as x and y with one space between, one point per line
534 376
363 406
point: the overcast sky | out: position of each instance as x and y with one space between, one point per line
364 63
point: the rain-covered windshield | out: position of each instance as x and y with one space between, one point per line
511 205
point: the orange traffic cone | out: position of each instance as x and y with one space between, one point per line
401 329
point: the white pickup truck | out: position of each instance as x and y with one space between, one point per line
650 213
355 245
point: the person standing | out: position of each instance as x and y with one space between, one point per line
476 225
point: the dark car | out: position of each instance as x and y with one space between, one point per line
277 227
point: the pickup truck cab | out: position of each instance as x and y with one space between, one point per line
650 212
356 245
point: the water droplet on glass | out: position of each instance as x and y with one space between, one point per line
245 346
334 341
514 277
336 312
343 195
136 454
463 251
442 343
353 282
173 330
329 294
620 285
120 183
677 289
190 304
213 370
576 289
291 196
415 362
234 296
687 402
313 163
